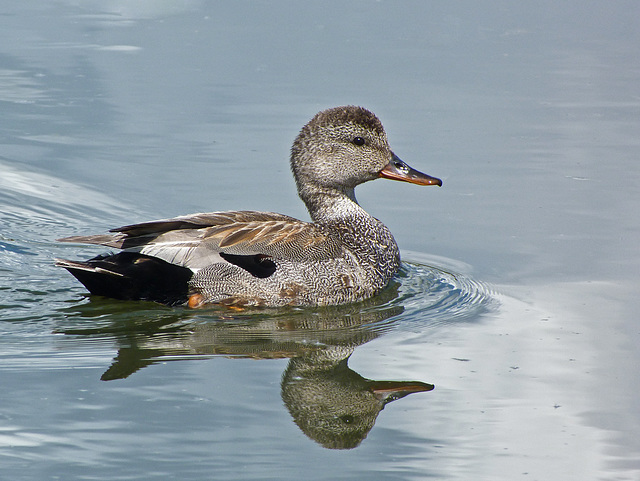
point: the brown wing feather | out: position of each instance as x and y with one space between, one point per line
109 240
190 240
293 240
200 220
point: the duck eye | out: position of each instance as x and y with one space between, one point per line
358 141
347 419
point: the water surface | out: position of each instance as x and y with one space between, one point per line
511 330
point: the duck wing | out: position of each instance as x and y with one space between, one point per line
197 240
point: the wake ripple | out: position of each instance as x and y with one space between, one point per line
433 294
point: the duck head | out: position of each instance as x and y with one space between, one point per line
345 146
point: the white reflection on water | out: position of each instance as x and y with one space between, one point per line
44 187
19 88
522 387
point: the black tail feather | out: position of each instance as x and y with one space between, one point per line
132 276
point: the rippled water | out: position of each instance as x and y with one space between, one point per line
506 347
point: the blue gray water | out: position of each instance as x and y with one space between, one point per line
517 302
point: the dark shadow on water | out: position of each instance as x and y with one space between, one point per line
331 403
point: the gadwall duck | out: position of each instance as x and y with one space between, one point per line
248 258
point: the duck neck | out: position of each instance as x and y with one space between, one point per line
327 204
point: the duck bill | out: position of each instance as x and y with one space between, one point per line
398 170
387 391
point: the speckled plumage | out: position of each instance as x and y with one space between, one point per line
268 259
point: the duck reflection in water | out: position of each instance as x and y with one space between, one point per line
334 405
330 403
